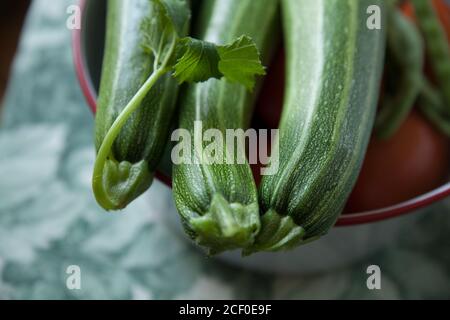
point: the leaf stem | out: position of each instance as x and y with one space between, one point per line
104 152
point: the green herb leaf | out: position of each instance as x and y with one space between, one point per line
197 61
240 62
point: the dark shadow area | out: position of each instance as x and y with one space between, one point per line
11 20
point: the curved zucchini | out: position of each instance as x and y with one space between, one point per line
126 66
218 203
334 65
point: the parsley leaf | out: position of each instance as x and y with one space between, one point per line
197 61
200 60
240 62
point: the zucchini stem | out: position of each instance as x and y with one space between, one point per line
226 226
277 233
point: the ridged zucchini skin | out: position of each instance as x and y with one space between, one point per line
218 203
334 67
125 68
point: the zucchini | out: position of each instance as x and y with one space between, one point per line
334 66
218 203
139 146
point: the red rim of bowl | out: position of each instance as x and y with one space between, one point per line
344 220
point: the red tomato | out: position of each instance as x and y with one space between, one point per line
416 160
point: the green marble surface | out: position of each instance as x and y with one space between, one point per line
49 219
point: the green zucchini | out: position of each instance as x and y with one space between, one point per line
218 203
334 66
139 146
